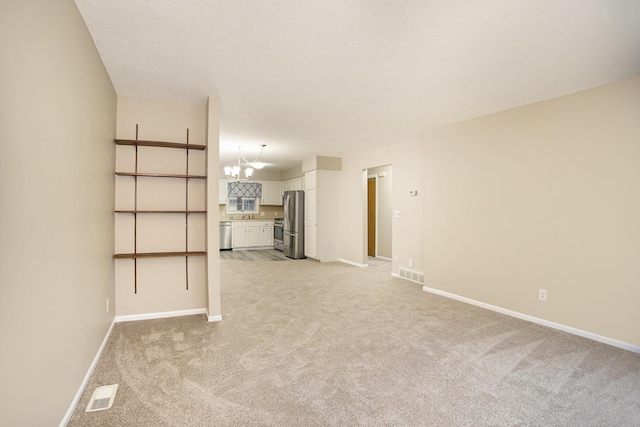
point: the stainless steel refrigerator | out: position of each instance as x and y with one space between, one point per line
293 232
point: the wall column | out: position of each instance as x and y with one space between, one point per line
214 310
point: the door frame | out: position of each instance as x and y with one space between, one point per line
374 176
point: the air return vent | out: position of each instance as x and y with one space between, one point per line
414 276
102 398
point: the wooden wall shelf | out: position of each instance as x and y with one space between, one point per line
158 254
160 212
135 255
161 175
162 144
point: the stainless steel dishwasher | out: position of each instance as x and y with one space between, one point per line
225 235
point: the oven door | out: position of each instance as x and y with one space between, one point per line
278 239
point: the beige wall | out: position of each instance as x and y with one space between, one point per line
259 175
542 196
322 163
266 212
57 123
161 282
385 209
291 173
406 160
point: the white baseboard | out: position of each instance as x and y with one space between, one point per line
569 329
216 318
346 261
159 315
395 275
383 257
85 381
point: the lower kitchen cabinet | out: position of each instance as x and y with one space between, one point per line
310 241
266 235
252 234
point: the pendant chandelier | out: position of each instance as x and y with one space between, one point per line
244 167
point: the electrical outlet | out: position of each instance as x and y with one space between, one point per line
410 262
542 294
107 305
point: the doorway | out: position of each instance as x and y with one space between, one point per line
372 207
379 212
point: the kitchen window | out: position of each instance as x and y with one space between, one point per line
243 204
243 197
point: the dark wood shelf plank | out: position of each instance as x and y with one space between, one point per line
160 144
161 175
159 254
160 212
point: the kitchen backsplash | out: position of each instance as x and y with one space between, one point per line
269 212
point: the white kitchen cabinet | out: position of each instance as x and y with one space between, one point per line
310 207
222 195
310 224
297 183
252 234
271 193
321 209
310 241
239 236
311 180
245 234
266 234
293 184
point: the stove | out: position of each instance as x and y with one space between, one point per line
278 234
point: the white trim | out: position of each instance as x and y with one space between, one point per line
383 257
398 276
85 381
373 176
569 329
216 318
159 315
346 261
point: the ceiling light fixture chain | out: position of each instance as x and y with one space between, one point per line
235 172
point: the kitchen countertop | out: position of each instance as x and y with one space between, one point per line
249 220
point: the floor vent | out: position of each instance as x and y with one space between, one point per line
102 398
414 276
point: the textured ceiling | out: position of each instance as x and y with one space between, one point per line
311 77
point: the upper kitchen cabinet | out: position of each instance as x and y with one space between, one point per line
296 183
223 194
271 193
311 180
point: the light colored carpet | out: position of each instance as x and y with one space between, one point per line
310 344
